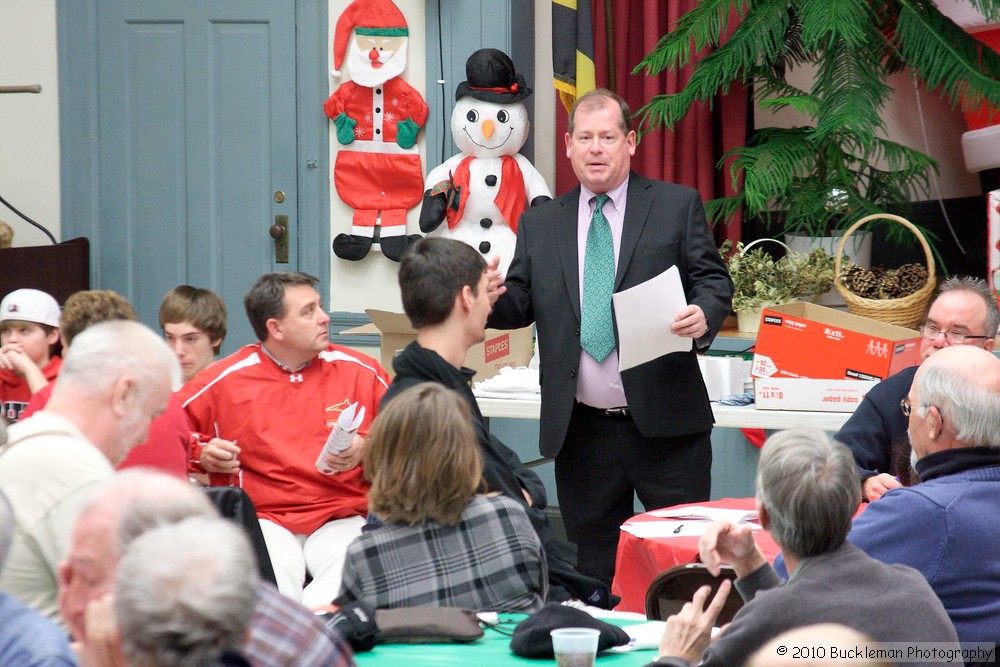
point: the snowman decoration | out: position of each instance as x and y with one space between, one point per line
477 196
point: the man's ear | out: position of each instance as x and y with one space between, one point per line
465 299
123 395
53 337
273 328
935 422
763 518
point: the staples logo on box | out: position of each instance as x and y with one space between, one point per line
771 319
497 347
858 375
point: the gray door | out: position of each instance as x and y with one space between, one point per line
197 135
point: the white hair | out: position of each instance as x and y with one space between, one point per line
972 409
808 483
184 593
104 352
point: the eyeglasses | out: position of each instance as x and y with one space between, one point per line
930 332
905 406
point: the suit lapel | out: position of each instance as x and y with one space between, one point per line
568 246
636 213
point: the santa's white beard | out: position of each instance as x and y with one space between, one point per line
362 72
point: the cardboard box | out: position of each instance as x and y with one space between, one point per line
819 395
501 348
800 339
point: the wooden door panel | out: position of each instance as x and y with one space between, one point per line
197 131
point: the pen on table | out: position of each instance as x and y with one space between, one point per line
678 528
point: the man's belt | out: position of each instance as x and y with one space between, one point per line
616 413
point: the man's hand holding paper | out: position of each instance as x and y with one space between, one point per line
344 447
655 319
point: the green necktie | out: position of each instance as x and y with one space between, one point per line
597 333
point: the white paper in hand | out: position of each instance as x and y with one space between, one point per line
341 436
644 314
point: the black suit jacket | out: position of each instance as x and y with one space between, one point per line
664 225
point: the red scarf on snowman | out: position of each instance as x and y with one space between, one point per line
509 199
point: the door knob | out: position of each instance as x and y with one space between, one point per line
279 232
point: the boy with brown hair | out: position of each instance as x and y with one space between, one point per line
29 345
193 321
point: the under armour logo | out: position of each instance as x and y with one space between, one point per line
295 377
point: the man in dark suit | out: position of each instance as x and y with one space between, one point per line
647 429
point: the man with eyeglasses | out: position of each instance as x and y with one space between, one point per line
963 313
946 526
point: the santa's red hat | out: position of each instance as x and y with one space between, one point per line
367 17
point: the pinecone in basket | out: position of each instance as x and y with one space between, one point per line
888 285
860 280
912 277
880 283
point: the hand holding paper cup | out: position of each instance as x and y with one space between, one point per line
575 647
341 436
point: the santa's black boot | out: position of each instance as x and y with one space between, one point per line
393 247
351 246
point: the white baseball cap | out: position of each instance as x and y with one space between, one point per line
30 305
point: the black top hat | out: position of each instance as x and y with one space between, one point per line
491 78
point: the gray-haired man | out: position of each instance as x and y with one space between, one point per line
807 493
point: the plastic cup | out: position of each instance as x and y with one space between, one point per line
575 647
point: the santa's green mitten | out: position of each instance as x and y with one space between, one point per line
406 133
345 128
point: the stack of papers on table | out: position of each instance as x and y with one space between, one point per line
689 521
702 513
520 382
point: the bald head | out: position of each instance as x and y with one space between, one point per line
823 637
131 503
139 500
973 363
955 401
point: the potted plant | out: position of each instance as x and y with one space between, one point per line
760 281
823 176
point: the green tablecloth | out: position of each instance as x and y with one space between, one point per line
492 650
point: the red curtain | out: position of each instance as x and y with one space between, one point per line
687 155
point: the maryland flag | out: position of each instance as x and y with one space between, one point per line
572 49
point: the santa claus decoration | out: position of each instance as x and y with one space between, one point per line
482 191
377 116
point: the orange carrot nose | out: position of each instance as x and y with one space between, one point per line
488 127
373 54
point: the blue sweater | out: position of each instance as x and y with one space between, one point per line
948 528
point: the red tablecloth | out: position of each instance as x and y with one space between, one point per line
639 560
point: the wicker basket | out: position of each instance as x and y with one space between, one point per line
907 311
